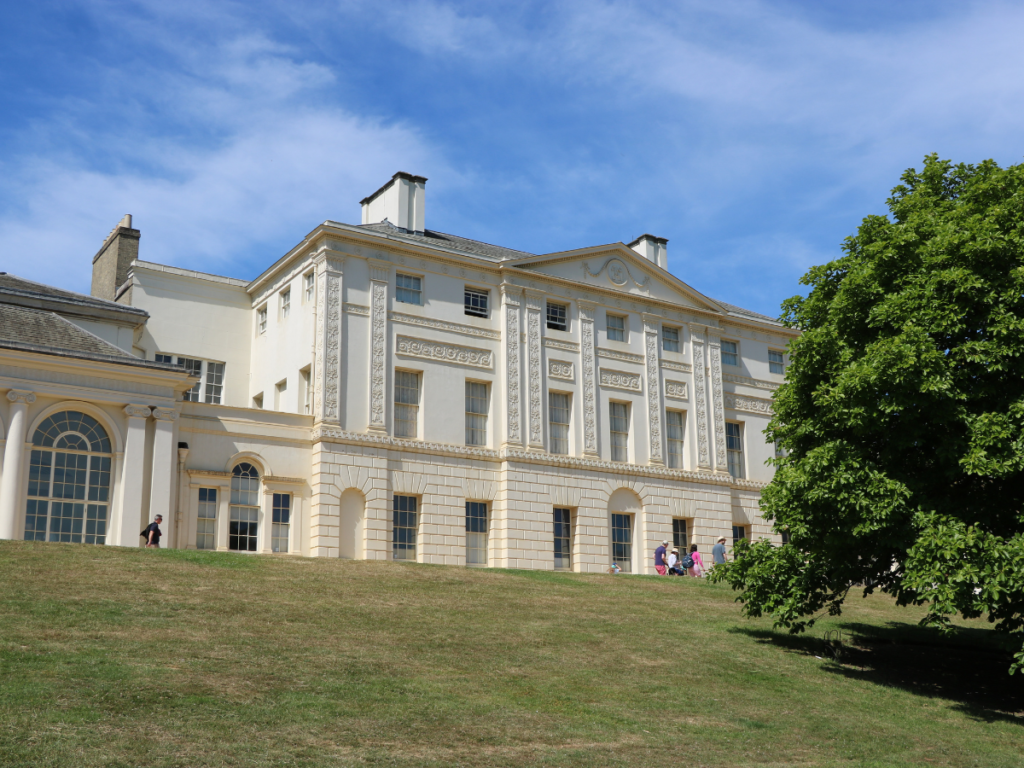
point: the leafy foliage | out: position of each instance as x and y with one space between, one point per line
902 416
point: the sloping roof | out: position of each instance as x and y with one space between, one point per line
27 293
441 240
733 309
45 332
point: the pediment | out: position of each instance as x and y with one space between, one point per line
618 268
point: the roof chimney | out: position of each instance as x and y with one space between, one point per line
110 264
653 249
399 202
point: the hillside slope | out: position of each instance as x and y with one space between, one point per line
138 657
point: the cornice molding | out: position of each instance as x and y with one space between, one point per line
625 357
443 325
565 346
758 383
668 365
356 309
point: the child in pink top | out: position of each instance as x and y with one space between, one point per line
698 563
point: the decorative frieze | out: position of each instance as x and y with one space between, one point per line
533 305
758 405
559 369
700 388
653 372
675 390
748 382
443 325
356 309
447 353
670 365
565 346
378 344
715 353
620 380
586 310
510 308
327 347
625 357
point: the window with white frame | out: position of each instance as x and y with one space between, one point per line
563 539
309 286
407 403
616 327
286 304
209 388
734 447
261 323
619 425
282 522
557 317
669 338
730 353
476 302
213 384
776 362
558 417
306 392
206 523
675 424
622 542
408 289
476 413
195 367
243 526
476 533
404 515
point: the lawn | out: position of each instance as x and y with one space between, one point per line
127 657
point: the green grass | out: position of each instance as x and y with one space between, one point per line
126 657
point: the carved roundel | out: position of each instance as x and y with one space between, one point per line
617 272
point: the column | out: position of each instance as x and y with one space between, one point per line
379 273
535 376
700 378
328 347
717 401
223 515
183 520
266 529
162 478
652 371
588 372
511 360
132 475
14 458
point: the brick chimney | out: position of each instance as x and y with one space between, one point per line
110 264
400 202
652 248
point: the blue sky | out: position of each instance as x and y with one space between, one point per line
753 135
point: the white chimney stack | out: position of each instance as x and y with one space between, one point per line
400 202
653 249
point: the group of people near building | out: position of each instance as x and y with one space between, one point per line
690 563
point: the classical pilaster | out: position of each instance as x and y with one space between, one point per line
14 459
589 377
161 481
266 530
132 475
652 371
510 303
718 403
700 396
534 304
379 273
327 350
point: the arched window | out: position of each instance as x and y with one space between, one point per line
69 480
245 508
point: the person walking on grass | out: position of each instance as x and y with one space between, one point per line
718 551
697 569
152 533
659 558
673 562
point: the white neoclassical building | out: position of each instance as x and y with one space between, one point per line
388 391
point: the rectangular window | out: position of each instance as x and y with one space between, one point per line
242 529
286 304
309 286
680 539
674 431
409 289
476 413
616 327
163 358
206 525
306 392
279 394
619 417
734 447
407 403
739 532
563 539
262 322
558 416
403 533
214 382
282 522
622 542
669 338
195 367
557 317
476 302
476 533
730 353
776 362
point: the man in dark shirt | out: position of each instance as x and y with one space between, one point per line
153 534
659 559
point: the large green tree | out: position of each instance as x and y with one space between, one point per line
902 415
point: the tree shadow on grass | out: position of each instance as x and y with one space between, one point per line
969 667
